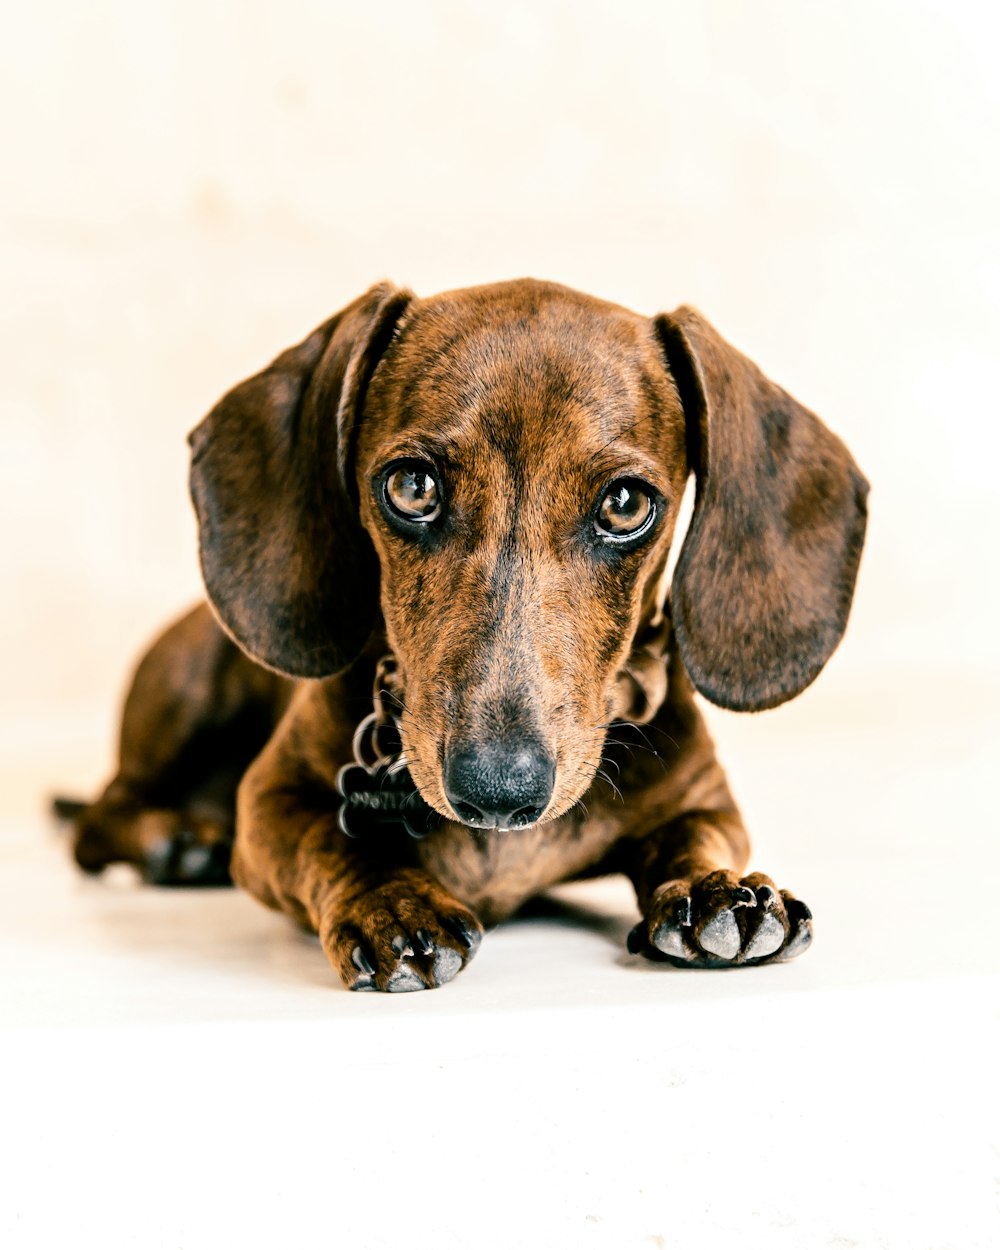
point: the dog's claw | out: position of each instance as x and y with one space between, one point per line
361 961
468 936
402 946
425 943
636 939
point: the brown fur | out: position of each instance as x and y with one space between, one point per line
508 620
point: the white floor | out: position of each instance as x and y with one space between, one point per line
181 1070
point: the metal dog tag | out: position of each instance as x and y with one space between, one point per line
380 794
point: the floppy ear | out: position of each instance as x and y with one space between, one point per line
290 572
765 578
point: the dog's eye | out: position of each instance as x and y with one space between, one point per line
412 492
625 511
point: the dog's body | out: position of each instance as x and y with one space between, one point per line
460 510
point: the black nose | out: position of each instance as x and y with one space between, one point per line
496 786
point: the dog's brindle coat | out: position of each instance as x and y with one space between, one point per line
537 663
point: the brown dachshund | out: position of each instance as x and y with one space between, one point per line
457 512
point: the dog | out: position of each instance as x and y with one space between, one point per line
441 670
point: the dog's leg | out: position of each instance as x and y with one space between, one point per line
384 922
196 714
697 907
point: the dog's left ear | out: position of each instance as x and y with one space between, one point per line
765 578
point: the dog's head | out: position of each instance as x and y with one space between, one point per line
499 471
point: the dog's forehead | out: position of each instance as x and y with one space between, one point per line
527 355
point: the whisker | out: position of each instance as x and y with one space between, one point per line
601 773
619 742
633 746
656 729
645 745
401 703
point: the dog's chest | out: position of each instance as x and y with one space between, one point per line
495 872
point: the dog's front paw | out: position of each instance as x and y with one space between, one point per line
407 935
722 920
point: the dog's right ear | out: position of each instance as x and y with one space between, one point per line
288 567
